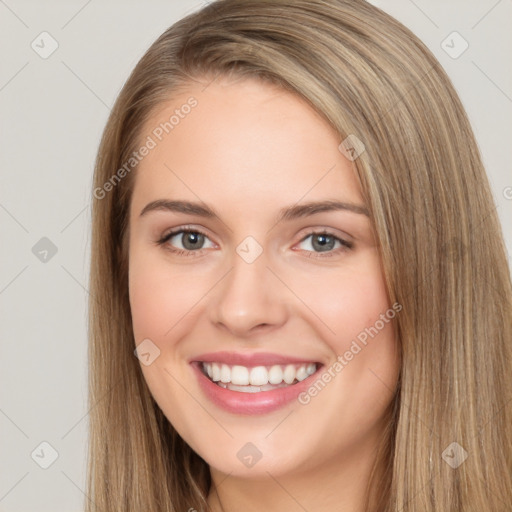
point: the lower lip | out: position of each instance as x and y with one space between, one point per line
238 402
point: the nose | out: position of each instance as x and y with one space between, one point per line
249 299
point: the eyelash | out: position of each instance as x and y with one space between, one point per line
346 245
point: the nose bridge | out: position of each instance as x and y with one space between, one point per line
248 296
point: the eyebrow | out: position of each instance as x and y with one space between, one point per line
285 214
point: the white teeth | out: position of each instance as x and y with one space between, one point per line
252 389
289 374
301 373
257 378
215 372
244 389
225 373
275 375
240 375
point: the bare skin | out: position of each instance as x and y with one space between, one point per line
248 150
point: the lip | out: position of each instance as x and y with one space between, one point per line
237 402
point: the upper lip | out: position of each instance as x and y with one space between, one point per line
250 359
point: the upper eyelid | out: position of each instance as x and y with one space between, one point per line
186 229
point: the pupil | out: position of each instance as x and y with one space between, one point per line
323 242
192 240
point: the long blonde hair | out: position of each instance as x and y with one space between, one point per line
440 241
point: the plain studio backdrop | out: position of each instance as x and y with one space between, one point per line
63 64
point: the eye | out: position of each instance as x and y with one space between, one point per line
185 240
324 242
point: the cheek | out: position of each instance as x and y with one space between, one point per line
354 317
345 302
162 307
161 299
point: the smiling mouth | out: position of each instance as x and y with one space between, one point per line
257 379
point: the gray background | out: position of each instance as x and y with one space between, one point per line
53 111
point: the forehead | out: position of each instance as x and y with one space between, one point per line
241 142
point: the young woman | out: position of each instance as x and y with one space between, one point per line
300 298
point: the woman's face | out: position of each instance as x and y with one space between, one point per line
276 291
